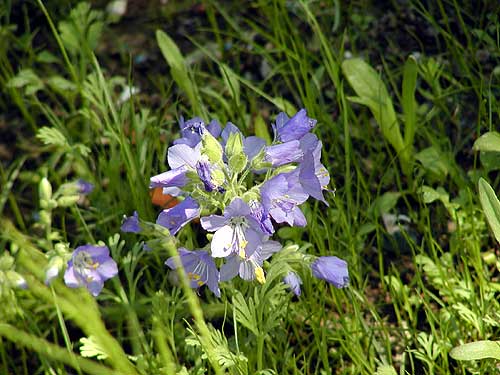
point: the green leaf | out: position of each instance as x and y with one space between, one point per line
82 29
384 203
409 103
61 84
488 142
434 161
476 350
46 57
28 80
52 136
261 129
231 81
178 67
284 106
430 195
90 348
491 206
386 370
372 92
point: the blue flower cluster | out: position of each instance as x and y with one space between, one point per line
251 185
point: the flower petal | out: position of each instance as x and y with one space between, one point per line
222 242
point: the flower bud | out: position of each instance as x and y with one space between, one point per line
211 148
45 189
68 200
16 280
55 266
45 218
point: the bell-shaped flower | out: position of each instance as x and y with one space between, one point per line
281 196
252 145
331 269
289 129
249 267
90 266
193 129
283 153
131 224
84 187
262 217
293 281
313 175
178 216
236 232
181 159
200 268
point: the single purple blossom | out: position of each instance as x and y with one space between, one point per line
281 196
84 187
181 159
313 175
249 267
90 266
204 169
176 217
286 130
331 269
173 178
294 282
227 131
283 153
236 232
262 217
131 224
193 129
251 145
200 269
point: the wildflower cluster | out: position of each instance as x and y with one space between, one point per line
240 188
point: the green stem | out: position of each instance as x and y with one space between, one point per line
260 351
54 352
196 311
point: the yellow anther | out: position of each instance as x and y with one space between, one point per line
259 275
242 254
200 283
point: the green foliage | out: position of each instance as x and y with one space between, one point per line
419 287
491 207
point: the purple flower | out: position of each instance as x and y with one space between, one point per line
286 130
281 196
250 266
90 266
283 153
228 130
251 145
331 269
204 170
84 187
200 269
313 175
237 232
131 224
176 217
181 159
174 178
192 130
262 217
294 282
